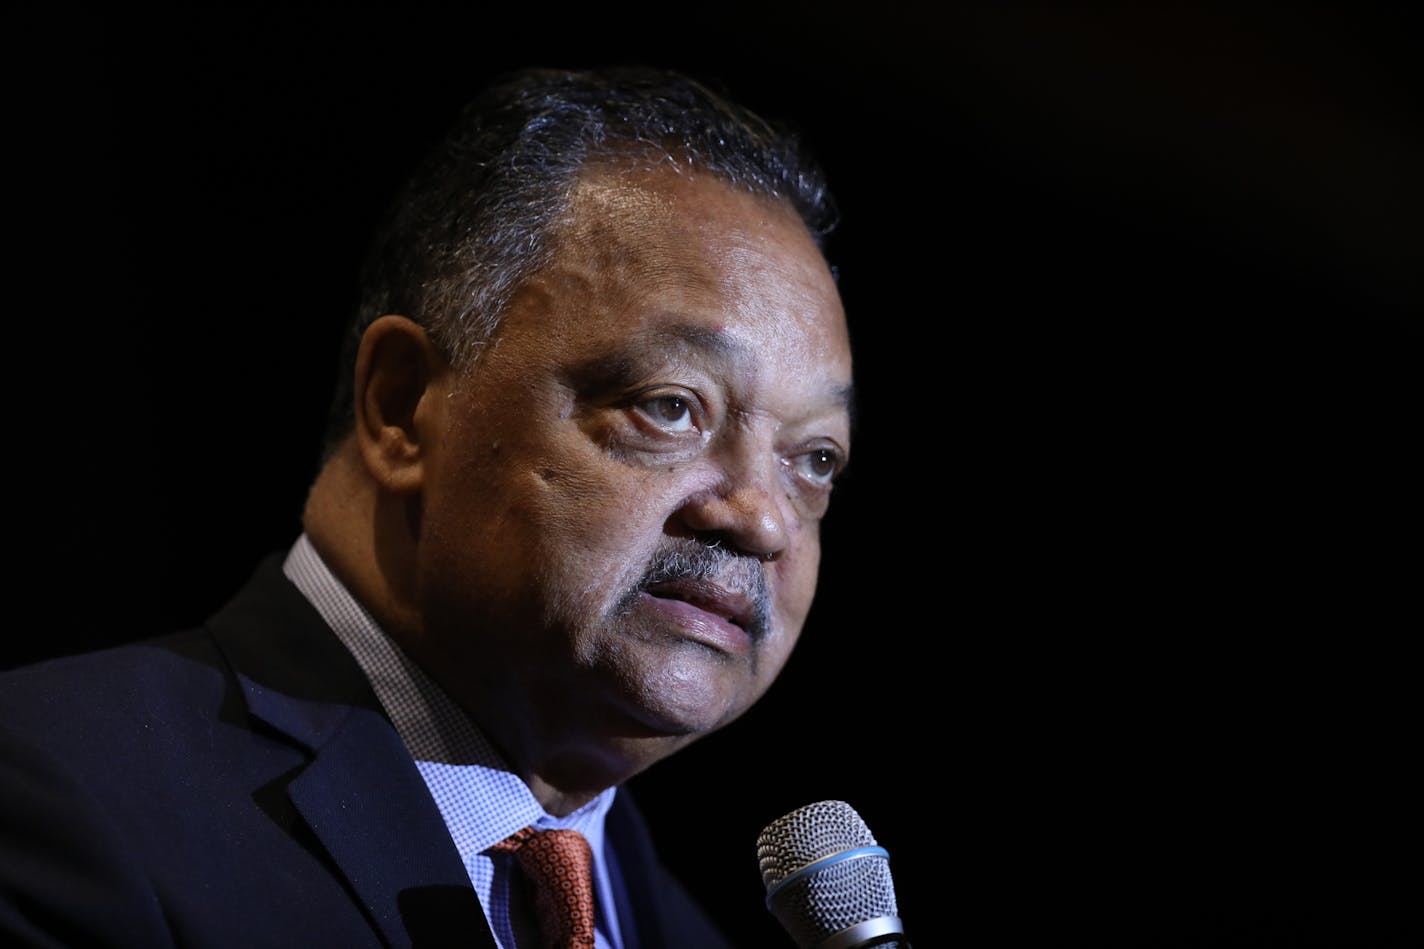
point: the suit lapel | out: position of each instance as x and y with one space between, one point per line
360 792
639 900
370 809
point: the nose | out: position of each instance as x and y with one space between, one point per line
744 513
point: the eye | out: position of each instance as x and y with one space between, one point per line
819 465
671 413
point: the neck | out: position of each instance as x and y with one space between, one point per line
367 539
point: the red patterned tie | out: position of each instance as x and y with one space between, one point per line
560 864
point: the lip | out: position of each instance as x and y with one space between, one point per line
708 613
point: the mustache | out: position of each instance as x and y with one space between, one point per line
692 561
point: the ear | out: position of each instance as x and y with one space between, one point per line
400 379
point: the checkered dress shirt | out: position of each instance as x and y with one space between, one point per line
481 801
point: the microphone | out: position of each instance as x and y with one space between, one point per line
828 881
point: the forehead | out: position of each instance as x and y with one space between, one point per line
623 209
683 263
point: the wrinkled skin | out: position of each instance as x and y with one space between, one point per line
615 515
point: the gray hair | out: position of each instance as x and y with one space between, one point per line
473 221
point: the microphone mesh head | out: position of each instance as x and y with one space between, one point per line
817 905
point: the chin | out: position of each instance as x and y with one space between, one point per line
686 711
673 704
686 724
668 687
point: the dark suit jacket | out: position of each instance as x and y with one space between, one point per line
239 785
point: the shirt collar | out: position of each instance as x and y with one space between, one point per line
456 758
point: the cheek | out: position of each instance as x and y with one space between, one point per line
794 588
594 525
595 502
795 578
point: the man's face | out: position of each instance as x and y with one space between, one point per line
620 530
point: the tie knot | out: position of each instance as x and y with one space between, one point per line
560 865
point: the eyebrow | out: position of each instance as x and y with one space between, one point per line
700 338
630 356
626 359
710 341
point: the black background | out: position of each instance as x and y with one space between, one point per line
1116 638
